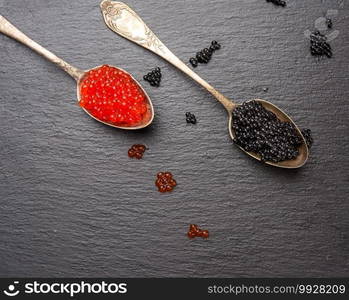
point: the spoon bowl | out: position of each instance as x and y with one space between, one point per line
121 19
302 157
10 30
148 116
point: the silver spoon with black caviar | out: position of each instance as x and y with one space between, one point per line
123 20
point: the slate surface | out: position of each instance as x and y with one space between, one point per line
73 204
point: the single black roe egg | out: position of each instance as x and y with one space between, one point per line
259 130
278 2
153 77
329 23
319 45
190 118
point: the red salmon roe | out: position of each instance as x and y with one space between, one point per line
112 96
165 182
195 231
136 151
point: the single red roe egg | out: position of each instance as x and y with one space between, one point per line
112 96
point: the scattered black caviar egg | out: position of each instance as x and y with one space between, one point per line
204 56
215 45
153 77
278 2
258 130
329 23
190 118
308 137
319 45
194 62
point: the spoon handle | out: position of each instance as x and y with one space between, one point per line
8 29
123 20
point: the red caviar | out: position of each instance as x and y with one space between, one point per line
137 151
195 231
112 96
165 182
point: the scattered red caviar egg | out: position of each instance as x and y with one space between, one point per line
136 151
195 231
191 234
112 96
165 182
204 234
193 228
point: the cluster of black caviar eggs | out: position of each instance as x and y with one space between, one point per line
190 118
319 45
153 77
278 2
259 130
205 54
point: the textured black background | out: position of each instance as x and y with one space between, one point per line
73 204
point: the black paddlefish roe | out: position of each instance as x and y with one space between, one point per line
319 45
190 118
259 130
329 23
153 77
204 56
277 2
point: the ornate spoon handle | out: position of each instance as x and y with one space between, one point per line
123 20
8 29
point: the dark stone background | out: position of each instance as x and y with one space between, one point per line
73 204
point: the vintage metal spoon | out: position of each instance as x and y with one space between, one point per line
8 29
124 21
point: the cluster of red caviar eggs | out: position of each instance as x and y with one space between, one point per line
165 182
136 151
195 231
112 96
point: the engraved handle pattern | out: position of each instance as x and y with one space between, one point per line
8 29
124 21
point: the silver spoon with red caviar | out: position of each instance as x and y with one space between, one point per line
108 94
123 20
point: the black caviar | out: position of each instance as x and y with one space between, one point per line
319 45
259 130
329 23
194 62
278 2
190 118
205 54
215 46
153 77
